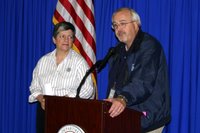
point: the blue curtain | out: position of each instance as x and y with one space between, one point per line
26 35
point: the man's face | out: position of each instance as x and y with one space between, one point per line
125 28
64 40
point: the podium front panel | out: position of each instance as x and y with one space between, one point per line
61 111
90 115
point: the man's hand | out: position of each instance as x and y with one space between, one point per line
118 106
41 99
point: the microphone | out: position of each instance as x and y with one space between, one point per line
94 66
103 62
98 66
85 77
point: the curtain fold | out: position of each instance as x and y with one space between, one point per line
26 35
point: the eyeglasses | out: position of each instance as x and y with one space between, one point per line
122 25
64 37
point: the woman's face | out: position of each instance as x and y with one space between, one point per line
64 40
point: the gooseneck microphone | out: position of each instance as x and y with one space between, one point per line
106 58
98 66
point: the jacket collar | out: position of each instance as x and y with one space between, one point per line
137 42
120 48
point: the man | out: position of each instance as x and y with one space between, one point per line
138 73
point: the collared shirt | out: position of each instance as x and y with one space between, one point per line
63 79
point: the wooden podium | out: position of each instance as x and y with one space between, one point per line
90 115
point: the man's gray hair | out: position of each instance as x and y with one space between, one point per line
134 14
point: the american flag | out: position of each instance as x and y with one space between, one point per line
81 14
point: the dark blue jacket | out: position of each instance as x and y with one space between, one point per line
140 74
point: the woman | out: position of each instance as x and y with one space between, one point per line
59 72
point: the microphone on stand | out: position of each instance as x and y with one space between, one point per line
103 63
98 66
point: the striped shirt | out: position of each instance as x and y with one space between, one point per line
63 79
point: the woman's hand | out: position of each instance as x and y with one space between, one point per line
41 99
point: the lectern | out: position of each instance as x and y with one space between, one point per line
90 115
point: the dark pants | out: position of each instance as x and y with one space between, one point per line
40 119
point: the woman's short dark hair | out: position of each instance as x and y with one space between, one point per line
62 26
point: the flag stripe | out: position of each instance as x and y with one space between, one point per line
86 10
79 23
63 14
83 17
80 48
58 17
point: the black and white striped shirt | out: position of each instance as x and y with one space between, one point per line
63 78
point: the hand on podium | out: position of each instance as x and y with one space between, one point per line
117 107
66 95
